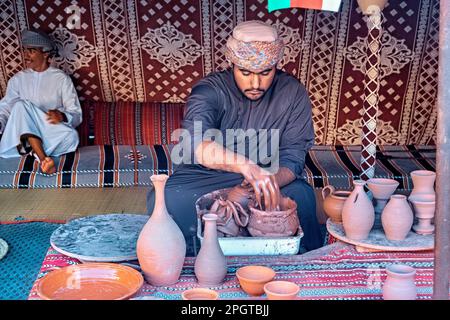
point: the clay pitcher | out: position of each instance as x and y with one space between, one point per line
397 218
161 247
358 214
333 202
399 284
210 266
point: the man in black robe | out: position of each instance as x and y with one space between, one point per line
274 112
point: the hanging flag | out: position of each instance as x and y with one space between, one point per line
328 5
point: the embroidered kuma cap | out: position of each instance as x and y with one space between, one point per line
255 46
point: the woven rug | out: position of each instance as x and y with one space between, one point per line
336 271
28 242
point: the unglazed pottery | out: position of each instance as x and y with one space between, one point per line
358 213
333 202
232 211
281 223
210 264
397 218
90 281
281 290
200 294
424 209
161 247
399 284
381 189
253 278
423 183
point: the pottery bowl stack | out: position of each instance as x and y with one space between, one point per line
253 278
281 290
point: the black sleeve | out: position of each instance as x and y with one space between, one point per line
298 136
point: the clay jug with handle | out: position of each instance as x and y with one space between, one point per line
333 202
358 214
210 266
161 247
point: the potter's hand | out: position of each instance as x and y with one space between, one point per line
264 184
55 116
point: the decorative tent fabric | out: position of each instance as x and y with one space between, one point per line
156 50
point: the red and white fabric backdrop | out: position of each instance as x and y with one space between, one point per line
155 50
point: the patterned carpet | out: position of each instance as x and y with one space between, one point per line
28 243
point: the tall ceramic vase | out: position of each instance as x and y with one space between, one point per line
161 247
399 284
397 218
358 213
210 265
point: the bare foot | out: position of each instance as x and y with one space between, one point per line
48 165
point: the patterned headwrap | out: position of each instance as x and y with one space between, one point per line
254 46
38 39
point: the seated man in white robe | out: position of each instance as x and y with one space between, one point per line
40 111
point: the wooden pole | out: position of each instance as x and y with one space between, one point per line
442 218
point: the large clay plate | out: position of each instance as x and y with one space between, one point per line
100 238
90 281
377 240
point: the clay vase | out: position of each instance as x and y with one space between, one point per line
397 218
423 183
381 189
399 284
161 247
333 202
358 213
424 208
210 266
282 223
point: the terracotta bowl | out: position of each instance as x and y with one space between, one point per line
281 290
253 278
200 294
90 281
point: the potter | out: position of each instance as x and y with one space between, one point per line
257 102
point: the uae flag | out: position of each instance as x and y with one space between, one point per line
329 5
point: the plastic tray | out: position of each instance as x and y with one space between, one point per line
238 246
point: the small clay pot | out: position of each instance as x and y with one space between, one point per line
281 290
253 278
333 201
199 294
283 223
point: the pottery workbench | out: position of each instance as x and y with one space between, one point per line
336 271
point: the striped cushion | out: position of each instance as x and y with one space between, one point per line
129 123
339 165
124 165
91 166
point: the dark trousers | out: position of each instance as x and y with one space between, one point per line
184 187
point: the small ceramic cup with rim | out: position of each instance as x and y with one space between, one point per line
281 290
